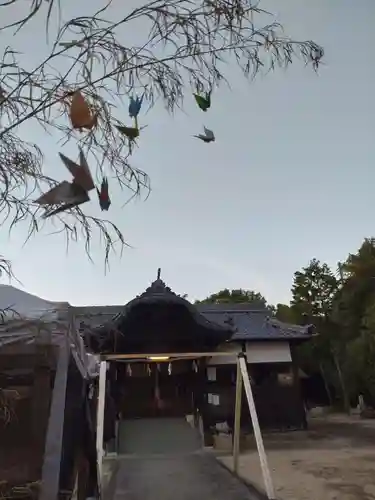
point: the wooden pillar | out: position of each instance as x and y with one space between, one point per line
40 403
201 388
82 477
55 432
298 388
100 419
268 484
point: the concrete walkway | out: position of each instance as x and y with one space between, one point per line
157 436
170 465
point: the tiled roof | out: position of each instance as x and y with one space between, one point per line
251 321
157 293
247 322
256 325
95 315
252 324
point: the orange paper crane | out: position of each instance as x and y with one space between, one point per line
69 194
80 113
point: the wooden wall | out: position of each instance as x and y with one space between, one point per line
277 397
256 352
26 383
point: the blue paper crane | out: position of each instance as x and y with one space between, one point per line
135 106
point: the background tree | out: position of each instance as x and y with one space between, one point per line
239 296
314 291
185 48
286 314
354 313
357 289
342 308
360 358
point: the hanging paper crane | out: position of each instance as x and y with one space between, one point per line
69 194
73 43
208 135
204 103
103 195
2 95
135 106
80 113
130 132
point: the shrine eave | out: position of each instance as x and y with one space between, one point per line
217 323
159 293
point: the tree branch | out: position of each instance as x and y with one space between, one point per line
186 48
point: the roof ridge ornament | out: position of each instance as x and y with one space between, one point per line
157 287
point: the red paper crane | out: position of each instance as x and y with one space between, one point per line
103 195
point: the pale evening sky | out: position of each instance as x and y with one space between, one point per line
290 177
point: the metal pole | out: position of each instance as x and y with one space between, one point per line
237 419
100 420
257 433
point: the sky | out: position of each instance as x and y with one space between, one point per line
290 177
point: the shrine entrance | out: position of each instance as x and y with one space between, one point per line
153 364
155 389
150 385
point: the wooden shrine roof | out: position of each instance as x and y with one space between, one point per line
246 322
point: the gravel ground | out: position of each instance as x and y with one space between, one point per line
334 459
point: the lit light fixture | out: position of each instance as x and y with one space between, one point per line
158 358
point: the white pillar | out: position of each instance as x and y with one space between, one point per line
100 420
257 433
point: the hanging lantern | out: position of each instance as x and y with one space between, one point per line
170 369
129 370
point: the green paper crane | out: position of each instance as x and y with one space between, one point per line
204 103
130 132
